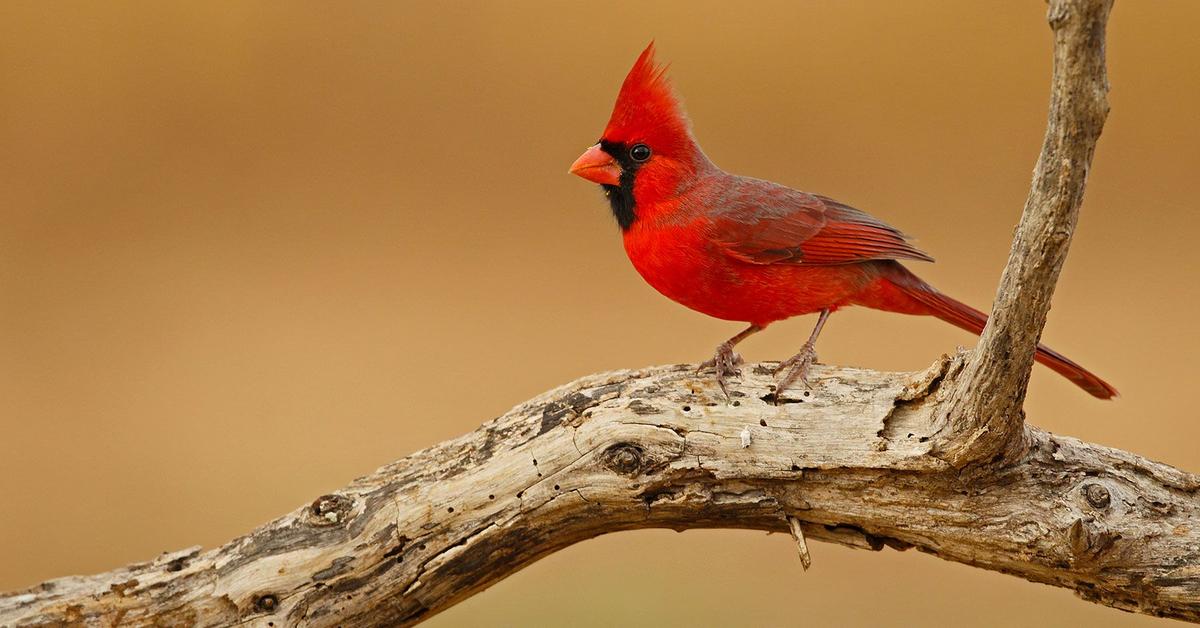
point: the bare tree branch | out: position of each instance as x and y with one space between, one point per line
940 461
985 409
851 463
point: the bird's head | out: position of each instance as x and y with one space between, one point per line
647 153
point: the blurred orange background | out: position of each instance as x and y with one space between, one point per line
247 248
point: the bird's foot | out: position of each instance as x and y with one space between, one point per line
725 363
794 369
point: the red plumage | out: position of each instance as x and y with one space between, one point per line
744 249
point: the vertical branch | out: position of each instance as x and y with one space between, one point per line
985 403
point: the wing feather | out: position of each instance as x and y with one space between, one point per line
764 223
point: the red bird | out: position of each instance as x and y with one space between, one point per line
748 250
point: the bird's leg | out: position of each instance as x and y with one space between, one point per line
725 361
796 367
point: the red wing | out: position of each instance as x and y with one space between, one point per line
763 223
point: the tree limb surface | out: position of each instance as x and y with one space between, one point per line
851 460
986 405
940 461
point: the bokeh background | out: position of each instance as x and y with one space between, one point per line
246 248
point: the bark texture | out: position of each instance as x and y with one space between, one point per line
851 460
985 409
940 461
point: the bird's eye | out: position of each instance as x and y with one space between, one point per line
639 152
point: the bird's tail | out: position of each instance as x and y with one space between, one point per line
898 290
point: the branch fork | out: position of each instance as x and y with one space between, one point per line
939 461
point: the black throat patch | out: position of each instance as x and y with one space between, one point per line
620 197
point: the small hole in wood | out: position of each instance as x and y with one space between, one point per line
736 403
687 408
491 497
762 422
266 603
772 399
397 551
450 509
519 494
556 487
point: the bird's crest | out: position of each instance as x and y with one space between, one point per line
647 105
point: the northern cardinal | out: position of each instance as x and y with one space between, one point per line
743 249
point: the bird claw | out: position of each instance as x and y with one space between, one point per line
794 368
725 365
729 364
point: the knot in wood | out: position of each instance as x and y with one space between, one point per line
330 510
1097 495
623 458
266 603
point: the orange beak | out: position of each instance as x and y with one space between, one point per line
597 166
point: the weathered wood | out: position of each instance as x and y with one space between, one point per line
985 409
940 461
852 460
